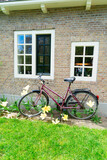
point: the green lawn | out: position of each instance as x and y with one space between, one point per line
37 140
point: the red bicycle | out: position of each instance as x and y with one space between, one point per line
80 103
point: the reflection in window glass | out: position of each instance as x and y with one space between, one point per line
47 40
47 69
47 60
28 70
20 69
40 69
78 71
40 49
41 40
20 49
28 38
47 49
28 59
20 59
28 49
89 61
79 50
20 39
40 59
88 72
78 61
89 50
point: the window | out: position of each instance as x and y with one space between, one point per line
34 54
84 59
43 54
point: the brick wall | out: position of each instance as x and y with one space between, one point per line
71 25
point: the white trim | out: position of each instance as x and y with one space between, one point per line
43 8
5 10
95 62
36 4
88 5
34 33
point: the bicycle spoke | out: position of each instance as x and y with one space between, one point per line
88 105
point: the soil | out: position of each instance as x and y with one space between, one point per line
71 121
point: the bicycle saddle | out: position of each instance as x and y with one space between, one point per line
71 79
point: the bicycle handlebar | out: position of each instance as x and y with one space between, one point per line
41 78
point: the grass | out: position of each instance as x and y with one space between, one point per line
37 140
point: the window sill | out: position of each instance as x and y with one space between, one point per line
92 79
33 77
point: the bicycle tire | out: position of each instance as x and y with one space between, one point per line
88 102
27 103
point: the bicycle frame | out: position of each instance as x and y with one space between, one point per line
45 88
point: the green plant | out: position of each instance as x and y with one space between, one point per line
96 119
3 99
30 140
13 107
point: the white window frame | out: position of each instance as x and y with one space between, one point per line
95 60
34 33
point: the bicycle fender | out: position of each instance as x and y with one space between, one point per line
80 90
83 89
36 91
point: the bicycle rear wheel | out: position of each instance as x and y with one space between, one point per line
30 105
89 105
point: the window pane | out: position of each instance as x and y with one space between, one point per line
88 72
40 50
20 59
79 50
40 69
78 61
47 49
20 39
28 59
40 59
28 38
47 40
89 50
47 69
28 70
89 61
20 69
28 49
78 71
20 49
47 59
41 39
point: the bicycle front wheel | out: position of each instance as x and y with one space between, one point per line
88 104
30 105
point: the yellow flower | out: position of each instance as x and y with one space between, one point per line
43 116
46 109
90 103
26 88
4 104
56 121
23 93
65 117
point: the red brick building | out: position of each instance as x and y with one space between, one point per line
57 38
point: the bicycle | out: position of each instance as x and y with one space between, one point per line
80 103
